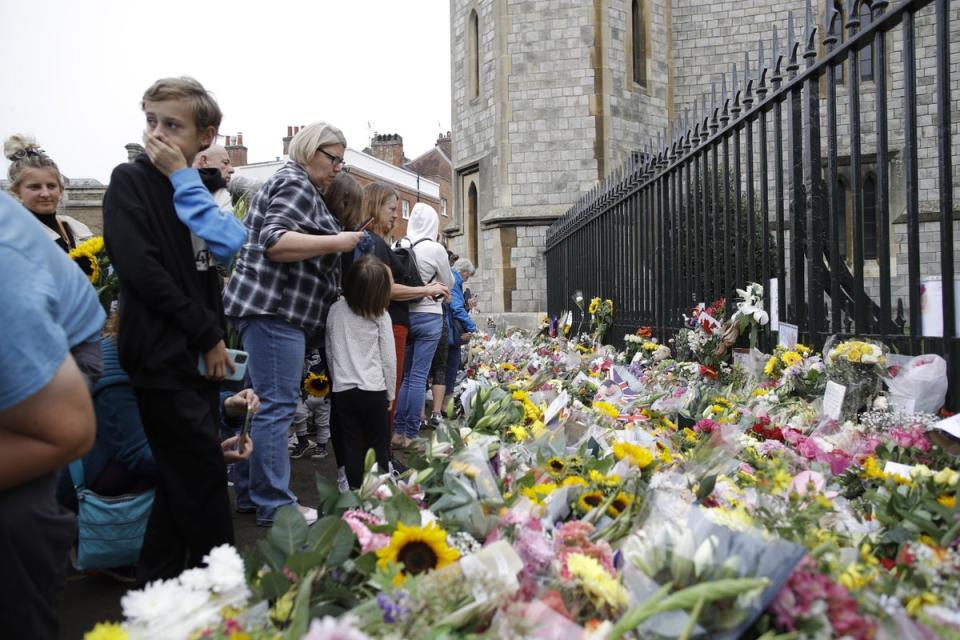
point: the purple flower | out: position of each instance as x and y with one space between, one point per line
393 607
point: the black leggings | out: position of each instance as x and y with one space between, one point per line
358 422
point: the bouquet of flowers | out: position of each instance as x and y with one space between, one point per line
601 317
858 366
93 260
795 372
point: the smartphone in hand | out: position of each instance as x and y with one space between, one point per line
239 359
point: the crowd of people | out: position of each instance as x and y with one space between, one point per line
312 282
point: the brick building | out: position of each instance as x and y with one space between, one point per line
383 161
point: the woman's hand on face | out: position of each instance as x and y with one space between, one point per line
166 157
349 239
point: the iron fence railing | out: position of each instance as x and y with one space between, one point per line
748 190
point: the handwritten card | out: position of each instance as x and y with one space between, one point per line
833 399
788 335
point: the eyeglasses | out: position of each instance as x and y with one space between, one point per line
336 161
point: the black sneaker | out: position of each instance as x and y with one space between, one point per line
302 448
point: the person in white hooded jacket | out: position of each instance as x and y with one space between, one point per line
426 319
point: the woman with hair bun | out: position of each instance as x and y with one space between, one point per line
37 183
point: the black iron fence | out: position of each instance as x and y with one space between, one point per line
750 189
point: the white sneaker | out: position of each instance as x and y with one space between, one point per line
309 514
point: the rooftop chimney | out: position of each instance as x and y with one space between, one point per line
445 142
236 150
388 147
287 138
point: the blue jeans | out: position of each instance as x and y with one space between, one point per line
277 350
422 342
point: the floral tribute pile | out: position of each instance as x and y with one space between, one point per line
677 490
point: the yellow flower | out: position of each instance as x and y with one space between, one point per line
538 492
871 469
92 245
506 366
619 504
770 367
574 481
87 263
519 395
853 578
556 467
106 631
317 385
419 549
947 476
607 409
609 303
689 435
649 346
791 358
594 305
947 501
635 455
518 432
824 502
802 349
239 635
598 478
781 479
589 500
917 603
665 456
603 588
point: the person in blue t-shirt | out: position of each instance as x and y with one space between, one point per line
46 415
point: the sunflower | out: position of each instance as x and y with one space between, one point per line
419 549
87 263
635 454
574 481
556 467
589 500
93 245
619 504
317 385
594 305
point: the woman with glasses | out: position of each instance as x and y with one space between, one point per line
287 276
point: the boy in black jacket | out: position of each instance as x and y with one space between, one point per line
171 315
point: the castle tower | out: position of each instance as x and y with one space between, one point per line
546 101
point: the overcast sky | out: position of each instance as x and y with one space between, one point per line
73 71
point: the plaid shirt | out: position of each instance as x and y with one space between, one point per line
299 292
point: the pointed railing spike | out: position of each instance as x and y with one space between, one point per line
775 61
808 26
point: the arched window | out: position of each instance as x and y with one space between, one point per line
473 221
866 54
473 55
840 30
639 44
870 218
843 211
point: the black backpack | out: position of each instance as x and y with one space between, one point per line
405 267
